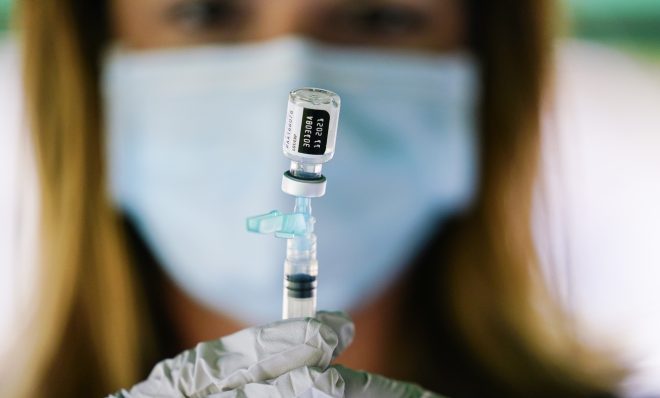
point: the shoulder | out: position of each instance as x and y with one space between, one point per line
601 184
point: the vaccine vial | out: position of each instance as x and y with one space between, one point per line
310 131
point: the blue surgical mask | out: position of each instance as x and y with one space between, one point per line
194 145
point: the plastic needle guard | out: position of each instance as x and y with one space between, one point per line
282 225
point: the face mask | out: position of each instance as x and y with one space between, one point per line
194 142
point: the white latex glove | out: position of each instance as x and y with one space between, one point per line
284 359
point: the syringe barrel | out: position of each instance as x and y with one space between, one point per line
300 273
310 129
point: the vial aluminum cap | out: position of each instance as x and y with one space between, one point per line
302 187
310 130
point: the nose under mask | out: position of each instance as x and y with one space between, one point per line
194 146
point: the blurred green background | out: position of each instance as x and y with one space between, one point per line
633 25
5 7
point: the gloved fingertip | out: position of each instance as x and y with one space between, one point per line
341 323
363 384
355 377
341 314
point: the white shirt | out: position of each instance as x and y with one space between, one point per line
597 210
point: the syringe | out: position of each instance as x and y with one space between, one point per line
310 134
300 268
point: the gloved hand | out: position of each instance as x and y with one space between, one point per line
284 359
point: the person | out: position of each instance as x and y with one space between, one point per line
155 127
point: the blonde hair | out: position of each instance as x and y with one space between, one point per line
91 330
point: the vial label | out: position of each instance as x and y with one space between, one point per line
307 131
314 131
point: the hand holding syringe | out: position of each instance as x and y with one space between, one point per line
310 133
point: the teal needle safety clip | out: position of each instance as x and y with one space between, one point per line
285 226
